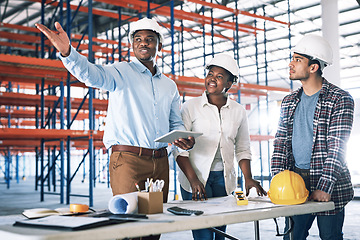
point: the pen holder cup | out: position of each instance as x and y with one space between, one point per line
150 202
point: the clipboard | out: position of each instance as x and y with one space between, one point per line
68 223
176 134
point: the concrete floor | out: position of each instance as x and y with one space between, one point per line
22 196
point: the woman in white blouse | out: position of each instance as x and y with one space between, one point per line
208 170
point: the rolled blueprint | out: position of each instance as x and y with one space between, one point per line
124 203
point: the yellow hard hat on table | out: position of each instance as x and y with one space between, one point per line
287 188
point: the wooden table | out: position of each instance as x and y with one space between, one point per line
217 212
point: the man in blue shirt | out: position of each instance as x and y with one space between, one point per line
143 105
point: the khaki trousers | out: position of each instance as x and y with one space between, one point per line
127 168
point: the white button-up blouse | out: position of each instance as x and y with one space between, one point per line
231 131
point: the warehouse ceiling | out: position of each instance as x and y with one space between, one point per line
263 53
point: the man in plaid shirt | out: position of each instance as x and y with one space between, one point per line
314 126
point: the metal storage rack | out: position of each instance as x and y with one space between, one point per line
47 131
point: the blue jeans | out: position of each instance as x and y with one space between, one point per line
215 187
330 226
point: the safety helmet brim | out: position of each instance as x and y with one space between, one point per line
145 24
315 47
227 62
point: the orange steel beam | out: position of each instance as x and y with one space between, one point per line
107 49
261 137
31 143
113 15
20 37
18 45
83 46
104 13
186 90
20 143
20 85
189 94
241 86
85 144
22 70
244 87
32 61
186 79
114 42
180 14
95 48
14 113
81 9
235 11
78 36
18 122
247 92
35 39
96 12
116 16
263 17
35 80
262 87
19 27
21 99
190 30
30 113
199 89
37 134
16 150
17 113
15 85
50 74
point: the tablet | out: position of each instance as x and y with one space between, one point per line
175 135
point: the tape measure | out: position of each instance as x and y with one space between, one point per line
79 208
240 198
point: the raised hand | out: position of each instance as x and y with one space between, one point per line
58 38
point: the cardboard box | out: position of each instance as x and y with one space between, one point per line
150 202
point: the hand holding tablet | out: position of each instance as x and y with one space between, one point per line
177 134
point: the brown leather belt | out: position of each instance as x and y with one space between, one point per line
155 153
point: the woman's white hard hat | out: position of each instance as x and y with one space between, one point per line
145 24
227 62
316 47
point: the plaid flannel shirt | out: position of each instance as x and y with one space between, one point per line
333 121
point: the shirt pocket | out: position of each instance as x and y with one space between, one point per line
230 129
201 125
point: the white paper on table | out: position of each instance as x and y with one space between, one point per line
124 203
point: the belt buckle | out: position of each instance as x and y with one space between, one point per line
157 153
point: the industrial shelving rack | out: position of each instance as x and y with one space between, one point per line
36 122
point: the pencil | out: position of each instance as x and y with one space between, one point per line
137 187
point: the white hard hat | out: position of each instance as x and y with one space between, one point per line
145 24
227 62
317 47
